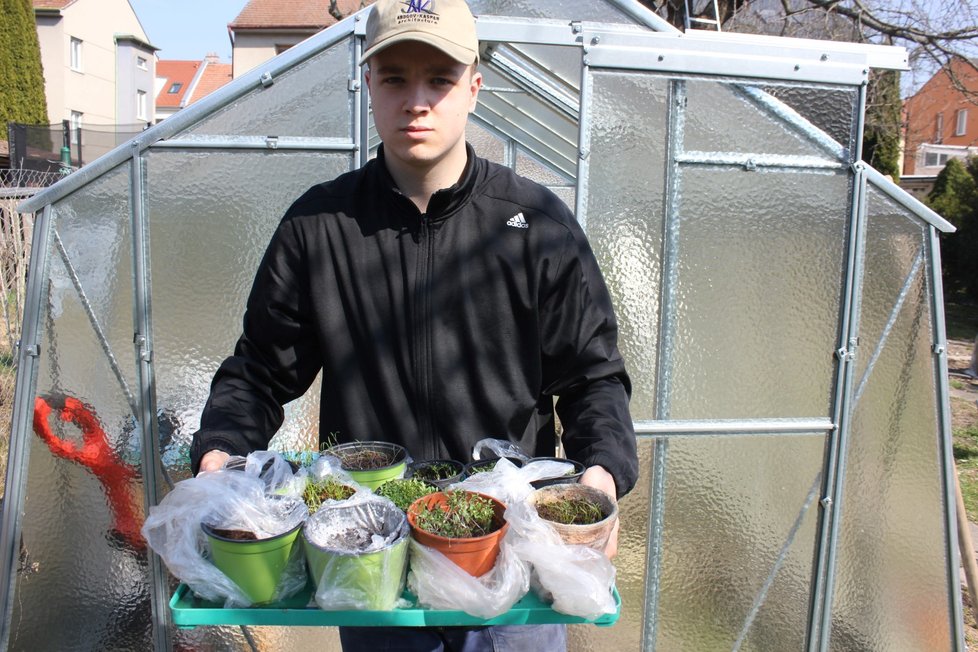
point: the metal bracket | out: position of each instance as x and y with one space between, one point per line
33 350
939 349
266 79
271 142
826 502
353 86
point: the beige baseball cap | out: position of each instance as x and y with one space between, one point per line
445 24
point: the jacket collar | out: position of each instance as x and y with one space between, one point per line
445 202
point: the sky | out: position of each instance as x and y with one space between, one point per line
188 29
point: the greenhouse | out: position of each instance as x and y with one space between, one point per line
779 301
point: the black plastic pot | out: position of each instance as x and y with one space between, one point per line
422 470
574 476
488 464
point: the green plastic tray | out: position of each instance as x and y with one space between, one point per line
190 611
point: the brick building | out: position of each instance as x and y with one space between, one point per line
942 120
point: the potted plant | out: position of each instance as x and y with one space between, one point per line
573 474
488 464
465 526
580 514
439 473
254 564
357 554
404 491
327 488
371 463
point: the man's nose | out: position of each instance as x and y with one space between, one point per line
416 100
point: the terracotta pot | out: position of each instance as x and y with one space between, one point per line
475 555
594 535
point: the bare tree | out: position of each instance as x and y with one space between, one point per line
933 31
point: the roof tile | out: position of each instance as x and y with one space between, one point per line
289 14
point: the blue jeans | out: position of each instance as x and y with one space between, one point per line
499 638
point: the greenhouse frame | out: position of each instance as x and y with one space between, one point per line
779 304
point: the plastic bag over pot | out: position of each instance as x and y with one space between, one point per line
357 553
262 497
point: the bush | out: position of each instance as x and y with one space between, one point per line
955 198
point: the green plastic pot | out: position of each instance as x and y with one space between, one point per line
372 478
255 566
349 580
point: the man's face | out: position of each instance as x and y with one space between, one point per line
421 99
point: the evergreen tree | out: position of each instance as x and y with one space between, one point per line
21 77
955 198
881 134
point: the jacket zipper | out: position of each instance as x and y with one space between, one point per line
424 340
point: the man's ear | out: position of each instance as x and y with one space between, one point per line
475 83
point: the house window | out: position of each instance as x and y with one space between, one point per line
141 105
961 122
939 128
75 123
174 88
141 63
75 51
934 159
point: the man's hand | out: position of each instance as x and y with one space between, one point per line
599 478
213 461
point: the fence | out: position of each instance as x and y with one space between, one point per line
16 230
39 147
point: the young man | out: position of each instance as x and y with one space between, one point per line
444 298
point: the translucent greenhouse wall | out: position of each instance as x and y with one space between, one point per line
779 303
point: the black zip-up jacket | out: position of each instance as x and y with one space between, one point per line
432 330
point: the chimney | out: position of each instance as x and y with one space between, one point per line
212 57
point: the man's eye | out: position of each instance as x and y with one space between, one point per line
442 81
393 80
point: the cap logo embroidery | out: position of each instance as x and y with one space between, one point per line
418 11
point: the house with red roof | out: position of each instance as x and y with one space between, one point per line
941 120
266 28
181 83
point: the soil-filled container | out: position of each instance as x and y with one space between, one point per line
573 474
488 464
255 565
439 473
465 526
371 463
357 554
580 514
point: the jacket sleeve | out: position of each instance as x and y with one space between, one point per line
275 359
582 365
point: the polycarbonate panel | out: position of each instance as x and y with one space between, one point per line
832 110
596 10
531 168
312 100
210 217
740 526
761 258
250 639
82 561
722 117
486 144
630 564
892 588
629 117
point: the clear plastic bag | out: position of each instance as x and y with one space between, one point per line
357 553
261 495
576 579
